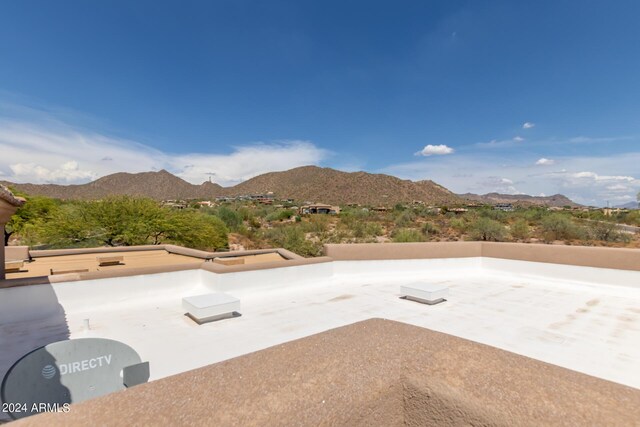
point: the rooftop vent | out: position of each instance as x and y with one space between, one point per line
211 307
425 293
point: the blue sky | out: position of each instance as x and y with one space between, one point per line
423 90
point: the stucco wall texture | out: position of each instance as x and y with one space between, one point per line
376 372
585 256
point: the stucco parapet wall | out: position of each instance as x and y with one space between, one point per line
375 372
205 265
92 275
221 269
100 250
169 248
382 251
584 256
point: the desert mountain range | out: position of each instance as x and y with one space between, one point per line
557 200
307 183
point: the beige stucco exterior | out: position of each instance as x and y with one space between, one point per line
371 373
613 258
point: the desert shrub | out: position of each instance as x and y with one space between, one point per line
127 221
318 223
293 239
520 229
405 218
430 229
30 217
231 218
559 227
197 231
487 229
280 215
632 218
366 229
246 213
404 235
494 214
535 214
607 232
458 224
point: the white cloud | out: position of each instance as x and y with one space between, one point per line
602 139
618 187
435 150
247 161
545 162
37 153
67 172
594 176
506 143
582 179
496 184
528 125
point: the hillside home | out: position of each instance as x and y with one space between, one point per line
319 208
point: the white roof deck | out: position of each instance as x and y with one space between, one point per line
526 308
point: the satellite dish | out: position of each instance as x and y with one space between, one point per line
51 377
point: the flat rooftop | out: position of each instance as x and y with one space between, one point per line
590 329
583 318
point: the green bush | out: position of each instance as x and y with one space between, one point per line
318 223
280 215
29 218
197 231
487 229
366 229
231 218
494 214
405 219
520 229
458 224
559 227
293 239
608 232
430 229
127 221
404 235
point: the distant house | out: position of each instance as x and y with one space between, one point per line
613 211
457 211
318 208
207 203
506 207
175 204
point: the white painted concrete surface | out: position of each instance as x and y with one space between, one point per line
583 319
